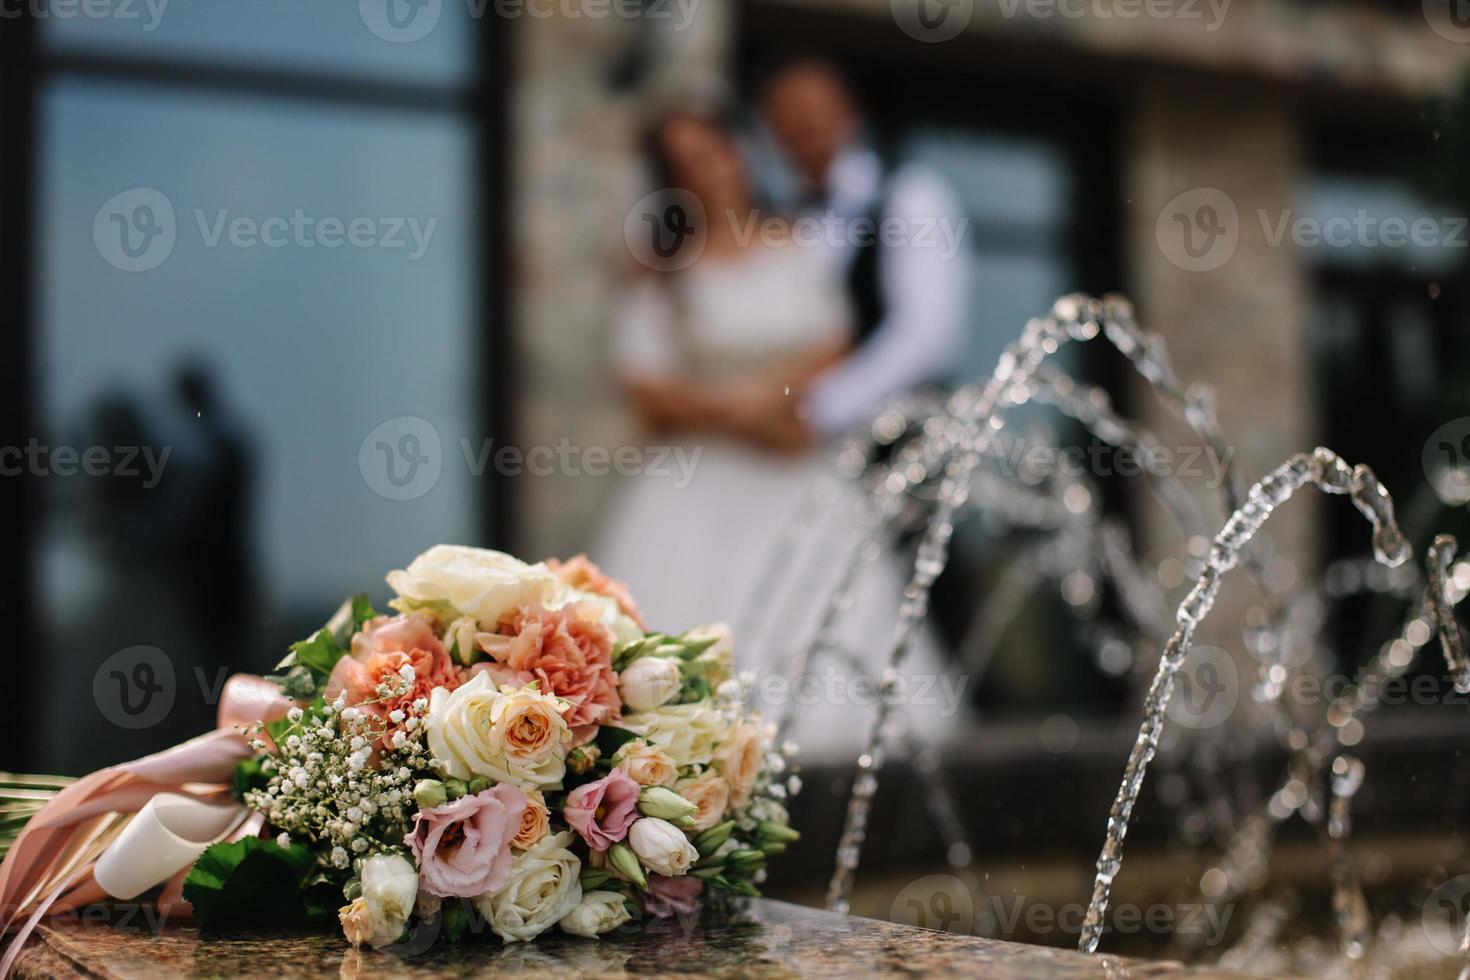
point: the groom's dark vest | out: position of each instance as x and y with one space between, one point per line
864 273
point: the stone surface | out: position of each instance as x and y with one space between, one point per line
767 939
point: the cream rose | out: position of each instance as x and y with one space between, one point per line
598 912
647 765
687 733
390 885
487 585
661 847
710 793
544 887
510 736
739 759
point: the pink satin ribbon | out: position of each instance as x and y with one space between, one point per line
201 768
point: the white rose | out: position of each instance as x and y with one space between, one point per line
661 846
390 885
487 585
688 733
509 736
544 887
650 682
599 912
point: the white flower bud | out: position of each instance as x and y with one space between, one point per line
650 682
661 846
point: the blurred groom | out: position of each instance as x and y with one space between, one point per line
898 251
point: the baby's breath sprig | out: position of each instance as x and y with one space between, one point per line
338 780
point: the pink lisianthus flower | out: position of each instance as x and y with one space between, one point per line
569 651
462 848
580 573
603 810
667 897
380 651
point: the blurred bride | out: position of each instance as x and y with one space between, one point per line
715 358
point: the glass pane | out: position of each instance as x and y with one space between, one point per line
255 288
1014 192
421 40
1361 222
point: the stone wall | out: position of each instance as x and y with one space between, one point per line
577 174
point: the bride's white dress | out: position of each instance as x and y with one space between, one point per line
695 553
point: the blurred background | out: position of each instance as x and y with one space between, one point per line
282 279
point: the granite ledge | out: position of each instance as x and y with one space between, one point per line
765 939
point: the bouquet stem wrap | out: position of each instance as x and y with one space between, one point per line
51 867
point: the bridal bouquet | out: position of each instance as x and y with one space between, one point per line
508 748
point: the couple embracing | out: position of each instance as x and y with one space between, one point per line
779 335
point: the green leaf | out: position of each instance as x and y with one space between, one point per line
248 775
454 919
634 649
349 619
442 608
610 739
298 684
254 882
318 653
694 646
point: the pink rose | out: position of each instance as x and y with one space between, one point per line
379 651
603 810
667 897
581 573
462 848
569 650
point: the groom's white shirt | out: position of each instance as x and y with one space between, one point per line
922 280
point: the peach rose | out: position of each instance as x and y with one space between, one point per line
708 792
535 821
569 651
647 765
580 573
357 922
739 761
380 650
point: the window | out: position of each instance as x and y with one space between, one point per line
261 299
